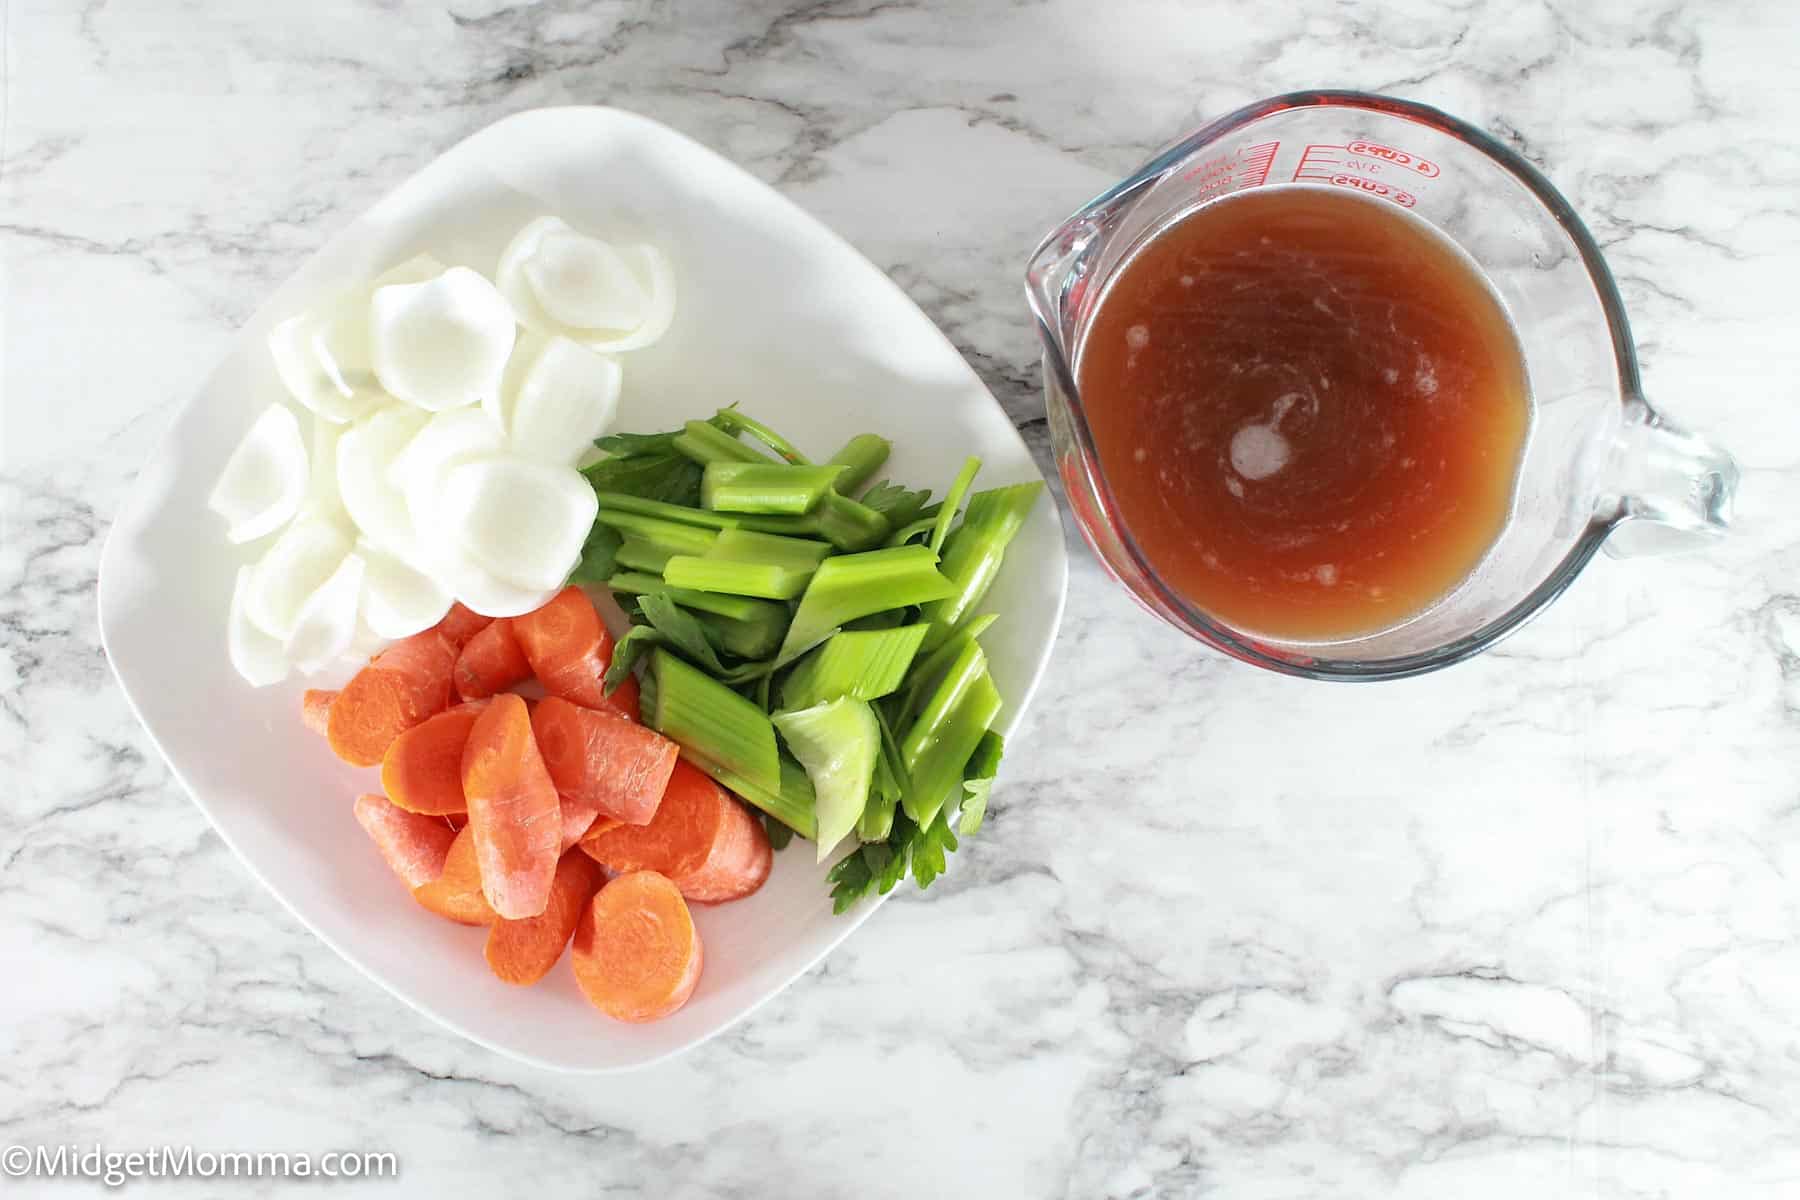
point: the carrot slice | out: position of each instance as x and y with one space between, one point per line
702 838
315 709
513 809
523 951
414 846
569 650
491 662
637 955
422 771
456 892
400 688
602 762
461 624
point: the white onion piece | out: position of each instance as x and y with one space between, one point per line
524 521
521 273
323 498
297 565
524 357
447 439
566 397
255 655
327 623
398 600
366 453
441 344
265 479
584 283
479 589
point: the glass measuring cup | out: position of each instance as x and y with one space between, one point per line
1600 466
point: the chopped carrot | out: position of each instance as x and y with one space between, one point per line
491 662
456 892
523 951
513 809
422 771
569 650
637 955
456 821
460 624
400 688
702 838
315 709
601 761
414 846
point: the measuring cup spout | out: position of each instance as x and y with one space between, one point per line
1667 488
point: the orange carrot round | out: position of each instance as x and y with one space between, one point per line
514 812
400 688
601 762
460 624
456 892
422 770
637 955
569 650
415 847
315 709
702 838
491 662
522 952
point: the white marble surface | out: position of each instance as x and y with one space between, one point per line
1524 927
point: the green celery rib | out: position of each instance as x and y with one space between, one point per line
847 524
862 664
858 585
749 546
930 670
707 718
681 514
965 479
973 555
641 555
837 742
635 583
734 422
770 581
765 488
706 443
861 457
911 530
885 786
938 746
746 639
791 802
736 608
672 536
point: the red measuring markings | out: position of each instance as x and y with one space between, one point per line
1359 165
1247 167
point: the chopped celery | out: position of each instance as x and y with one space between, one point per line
682 630
765 488
930 669
681 514
965 479
748 546
864 665
639 554
889 780
861 457
738 608
707 443
634 582
847 524
790 802
756 638
938 746
975 551
768 580
734 422
707 718
913 531
856 585
837 742
672 536
638 641
978 782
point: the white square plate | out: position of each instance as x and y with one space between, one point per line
775 312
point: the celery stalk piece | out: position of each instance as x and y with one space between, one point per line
930 669
771 581
738 608
638 554
672 536
861 457
765 488
837 742
707 443
707 718
975 551
965 479
635 583
791 802
734 422
858 585
745 545
861 664
912 531
757 638
682 631
889 780
938 747
681 514
848 524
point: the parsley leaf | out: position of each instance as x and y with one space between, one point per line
637 642
978 781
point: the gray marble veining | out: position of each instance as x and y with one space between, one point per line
1524 927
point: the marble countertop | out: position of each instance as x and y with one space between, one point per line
1527 926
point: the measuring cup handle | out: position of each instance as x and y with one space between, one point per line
1672 488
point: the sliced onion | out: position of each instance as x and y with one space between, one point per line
256 656
583 283
482 591
524 521
540 255
398 600
440 344
447 439
653 266
265 479
323 496
564 399
366 453
296 565
327 623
